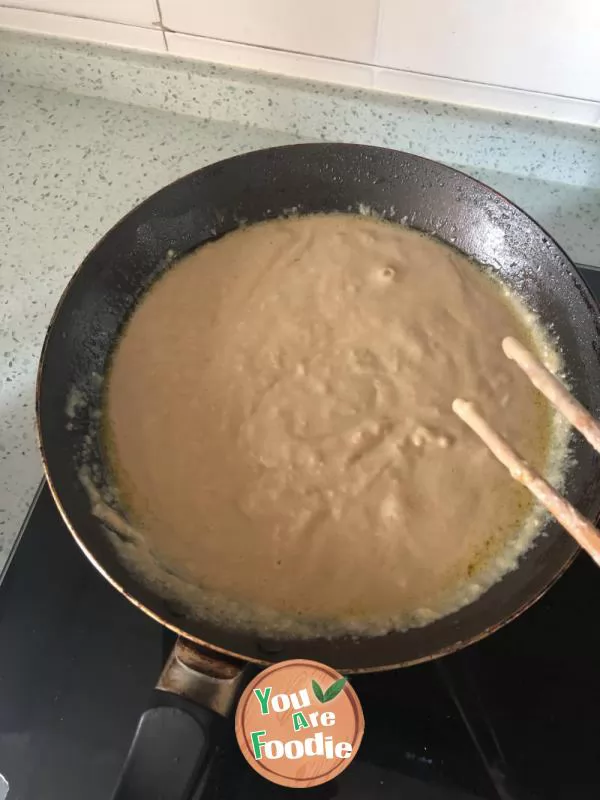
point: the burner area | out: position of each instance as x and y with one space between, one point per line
514 717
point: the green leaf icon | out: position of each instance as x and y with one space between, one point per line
318 692
329 694
334 690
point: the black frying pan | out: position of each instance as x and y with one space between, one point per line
307 179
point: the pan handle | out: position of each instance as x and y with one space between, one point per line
170 751
175 740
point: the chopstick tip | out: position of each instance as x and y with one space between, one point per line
460 407
510 345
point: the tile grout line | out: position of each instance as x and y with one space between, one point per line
161 24
377 35
430 78
64 15
400 70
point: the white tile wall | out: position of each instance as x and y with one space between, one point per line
131 12
526 56
342 29
542 45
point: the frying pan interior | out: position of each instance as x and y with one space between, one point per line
308 179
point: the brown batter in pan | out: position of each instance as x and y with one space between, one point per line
280 423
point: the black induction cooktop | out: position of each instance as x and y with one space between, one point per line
514 717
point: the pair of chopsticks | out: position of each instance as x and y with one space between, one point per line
580 528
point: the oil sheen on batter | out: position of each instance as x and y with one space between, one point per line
280 426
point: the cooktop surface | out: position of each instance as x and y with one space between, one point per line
514 717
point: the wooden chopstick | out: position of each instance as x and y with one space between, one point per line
554 391
580 528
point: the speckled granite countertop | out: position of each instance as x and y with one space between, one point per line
86 132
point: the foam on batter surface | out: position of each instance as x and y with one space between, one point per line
280 428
